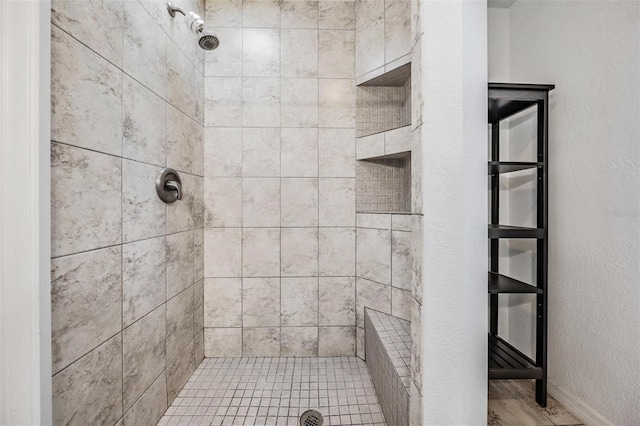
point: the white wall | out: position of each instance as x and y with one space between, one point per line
454 141
591 51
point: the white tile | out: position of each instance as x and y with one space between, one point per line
401 303
370 41
374 220
337 341
223 302
261 202
223 252
401 260
299 302
261 342
337 300
299 53
261 13
180 262
298 342
143 213
260 52
299 99
223 202
299 202
299 252
337 202
223 101
299 152
336 54
261 152
260 102
220 342
223 152
373 255
260 302
226 61
261 252
372 295
337 103
223 13
339 15
337 251
337 153
299 14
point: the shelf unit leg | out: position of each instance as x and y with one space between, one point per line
541 392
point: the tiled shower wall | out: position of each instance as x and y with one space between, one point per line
127 270
382 108
280 179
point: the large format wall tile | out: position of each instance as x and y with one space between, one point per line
260 302
337 202
337 104
85 303
182 83
143 212
86 97
223 252
299 302
397 29
299 53
223 101
97 23
143 348
336 15
371 295
223 342
299 202
144 48
401 261
261 252
261 13
89 392
299 341
144 138
299 152
337 152
223 152
299 252
151 405
223 302
179 370
261 342
183 134
336 54
179 322
180 259
260 52
299 14
337 299
370 35
261 152
261 102
337 252
299 102
337 341
261 202
227 60
86 210
143 278
373 255
223 202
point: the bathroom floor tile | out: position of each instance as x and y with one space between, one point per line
276 391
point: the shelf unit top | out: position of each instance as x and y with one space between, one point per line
507 99
499 283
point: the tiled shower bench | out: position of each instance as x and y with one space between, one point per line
388 358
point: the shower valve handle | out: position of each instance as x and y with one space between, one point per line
169 185
172 185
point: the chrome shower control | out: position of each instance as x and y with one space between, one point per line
169 185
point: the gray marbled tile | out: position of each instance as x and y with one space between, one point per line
401 303
261 102
415 406
401 262
373 255
299 152
198 255
337 252
337 105
299 305
299 102
299 202
397 29
143 278
224 13
261 342
179 322
337 341
416 257
223 252
337 301
97 23
198 348
260 302
179 262
337 152
223 342
89 392
144 135
360 349
299 252
183 134
143 349
417 98
260 52
86 97
298 341
143 212
223 101
260 202
144 48
86 303
336 15
226 61
261 152
181 215
261 252
416 345
151 405
299 14
336 54
223 152
300 53
261 13
179 370
198 307
370 35
223 202
337 202
372 295
223 302
181 81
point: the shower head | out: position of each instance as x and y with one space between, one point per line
208 40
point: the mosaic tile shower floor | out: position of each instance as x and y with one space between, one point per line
276 391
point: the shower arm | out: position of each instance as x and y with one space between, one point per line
173 9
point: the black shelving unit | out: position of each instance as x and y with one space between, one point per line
506 361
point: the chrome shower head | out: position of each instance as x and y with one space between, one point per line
208 40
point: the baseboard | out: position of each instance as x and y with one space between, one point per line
577 407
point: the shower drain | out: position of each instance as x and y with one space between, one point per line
311 418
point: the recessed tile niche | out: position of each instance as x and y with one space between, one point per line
384 103
384 184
